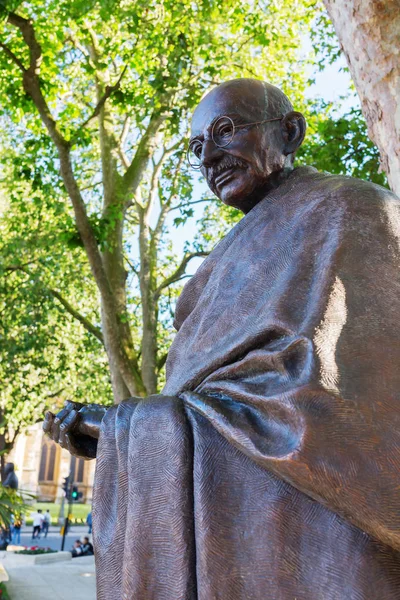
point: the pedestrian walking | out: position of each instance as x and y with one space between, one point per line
89 522
10 530
46 523
16 537
37 524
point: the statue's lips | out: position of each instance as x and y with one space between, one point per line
225 176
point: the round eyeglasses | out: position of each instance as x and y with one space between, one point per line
222 133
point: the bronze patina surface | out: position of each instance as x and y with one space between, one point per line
268 469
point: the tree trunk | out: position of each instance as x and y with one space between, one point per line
115 270
119 388
2 457
149 306
113 260
369 34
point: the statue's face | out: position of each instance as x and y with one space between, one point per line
238 171
8 468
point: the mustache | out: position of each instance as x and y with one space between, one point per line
228 162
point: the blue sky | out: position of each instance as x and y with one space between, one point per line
333 83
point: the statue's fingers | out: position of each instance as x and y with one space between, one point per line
70 405
65 428
48 423
59 419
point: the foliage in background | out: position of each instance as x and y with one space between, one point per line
95 105
79 512
12 502
34 550
3 592
340 145
95 108
337 141
45 354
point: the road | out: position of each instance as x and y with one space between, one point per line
53 539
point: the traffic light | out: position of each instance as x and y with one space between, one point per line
76 494
65 485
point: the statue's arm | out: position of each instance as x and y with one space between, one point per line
76 428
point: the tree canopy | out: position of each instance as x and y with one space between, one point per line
95 106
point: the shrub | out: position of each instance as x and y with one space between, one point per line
3 592
35 550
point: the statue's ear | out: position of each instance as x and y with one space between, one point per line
293 126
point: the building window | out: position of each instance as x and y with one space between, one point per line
77 469
47 460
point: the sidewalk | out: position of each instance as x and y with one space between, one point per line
60 581
53 539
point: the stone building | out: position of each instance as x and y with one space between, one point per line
41 466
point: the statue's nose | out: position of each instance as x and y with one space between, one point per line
210 153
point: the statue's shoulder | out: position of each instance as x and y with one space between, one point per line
353 201
353 192
363 212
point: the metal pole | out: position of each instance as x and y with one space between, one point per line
61 513
64 533
70 506
66 522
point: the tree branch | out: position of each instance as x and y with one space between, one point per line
78 45
55 394
122 139
126 365
131 266
31 78
178 273
165 208
13 57
161 361
147 144
125 130
94 38
96 331
26 28
19 267
91 186
14 437
107 93
185 204
156 176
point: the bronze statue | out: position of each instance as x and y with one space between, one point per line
10 478
268 468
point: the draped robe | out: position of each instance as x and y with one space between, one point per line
268 469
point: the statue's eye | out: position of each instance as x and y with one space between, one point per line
225 130
196 147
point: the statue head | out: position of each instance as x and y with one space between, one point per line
9 468
10 479
244 136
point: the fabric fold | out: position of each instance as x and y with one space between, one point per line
143 503
269 467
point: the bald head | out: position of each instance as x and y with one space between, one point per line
256 99
263 133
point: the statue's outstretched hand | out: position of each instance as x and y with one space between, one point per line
76 427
